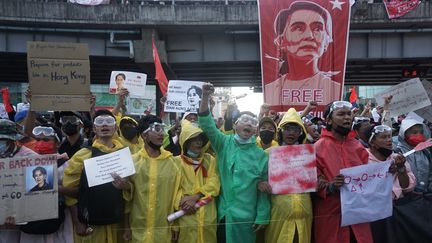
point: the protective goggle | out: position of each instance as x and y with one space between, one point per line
156 127
70 119
379 129
249 120
340 104
104 120
40 131
360 119
291 128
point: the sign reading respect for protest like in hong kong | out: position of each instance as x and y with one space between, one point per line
292 169
365 184
29 188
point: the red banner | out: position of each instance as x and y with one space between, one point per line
398 8
303 51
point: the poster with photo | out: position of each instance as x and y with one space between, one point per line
141 106
183 96
29 188
135 83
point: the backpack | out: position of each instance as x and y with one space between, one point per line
99 205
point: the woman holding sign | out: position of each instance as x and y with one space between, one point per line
291 214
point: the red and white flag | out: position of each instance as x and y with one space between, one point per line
303 51
90 2
160 74
398 8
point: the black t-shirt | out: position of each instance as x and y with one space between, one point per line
70 149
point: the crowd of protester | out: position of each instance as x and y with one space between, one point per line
222 164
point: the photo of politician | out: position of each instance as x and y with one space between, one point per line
303 34
41 176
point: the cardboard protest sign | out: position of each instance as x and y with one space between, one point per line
29 188
407 96
99 169
59 76
365 184
292 169
303 51
135 83
426 112
183 96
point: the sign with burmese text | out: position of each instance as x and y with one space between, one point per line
292 169
59 76
29 188
303 51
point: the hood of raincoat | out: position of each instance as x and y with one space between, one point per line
126 119
291 116
190 130
407 124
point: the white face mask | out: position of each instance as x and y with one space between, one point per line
3 146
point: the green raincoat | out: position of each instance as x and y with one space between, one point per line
241 167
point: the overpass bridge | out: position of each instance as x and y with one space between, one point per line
208 40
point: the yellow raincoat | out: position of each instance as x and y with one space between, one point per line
155 192
291 211
200 227
71 178
134 147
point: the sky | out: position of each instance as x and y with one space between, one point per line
252 102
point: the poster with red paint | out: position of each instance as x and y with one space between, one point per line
365 184
292 169
398 8
303 51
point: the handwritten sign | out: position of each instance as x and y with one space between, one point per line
29 188
292 169
135 83
59 75
99 169
426 112
365 184
183 96
407 96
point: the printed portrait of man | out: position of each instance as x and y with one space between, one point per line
303 34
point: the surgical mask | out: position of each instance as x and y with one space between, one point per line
192 154
385 152
241 140
415 139
70 129
342 130
3 146
129 132
266 136
45 147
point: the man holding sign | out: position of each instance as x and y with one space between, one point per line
110 206
337 149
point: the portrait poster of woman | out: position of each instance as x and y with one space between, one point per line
303 51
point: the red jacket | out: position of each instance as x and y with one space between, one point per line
332 156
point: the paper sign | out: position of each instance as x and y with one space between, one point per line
292 169
57 71
135 83
3 113
141 106
183 96
99 169
426 112
29 188
367 193
407 96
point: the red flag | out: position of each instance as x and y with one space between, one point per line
160 74
353 96
6 100
398 8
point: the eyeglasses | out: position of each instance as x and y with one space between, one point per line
70 119
379 129
340 104
104 120
291 128
155 127
247 119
